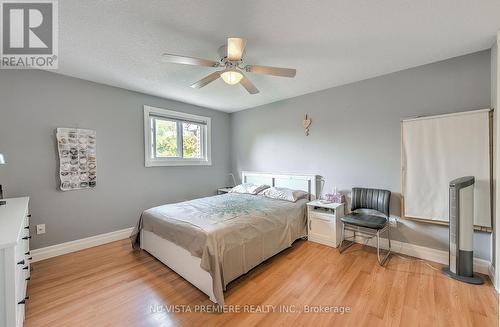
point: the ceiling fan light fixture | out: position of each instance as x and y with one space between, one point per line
231 77
232 68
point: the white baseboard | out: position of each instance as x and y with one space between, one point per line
81 244
481 266
491 274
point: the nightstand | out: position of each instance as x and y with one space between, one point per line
223 190
323 222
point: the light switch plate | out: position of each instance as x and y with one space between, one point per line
40 229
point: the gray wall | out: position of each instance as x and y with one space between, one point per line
355 133
354 140
34 103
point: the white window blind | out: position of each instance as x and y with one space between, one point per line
438 149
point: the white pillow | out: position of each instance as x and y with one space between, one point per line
282 193
249 188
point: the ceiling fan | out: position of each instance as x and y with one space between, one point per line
232 62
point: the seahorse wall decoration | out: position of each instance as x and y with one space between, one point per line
307 122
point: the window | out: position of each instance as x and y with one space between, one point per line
175 138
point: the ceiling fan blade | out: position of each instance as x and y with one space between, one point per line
275 71
235 48
167 57
245 82
206 80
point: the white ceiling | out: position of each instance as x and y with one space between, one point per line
330 42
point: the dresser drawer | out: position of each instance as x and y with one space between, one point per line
23 245
19 249
21 298
320 227
319 215
21 281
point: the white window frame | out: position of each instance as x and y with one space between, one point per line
206 134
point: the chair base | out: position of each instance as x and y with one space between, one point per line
355 228
384 259
349 244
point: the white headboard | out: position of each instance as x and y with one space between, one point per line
308 183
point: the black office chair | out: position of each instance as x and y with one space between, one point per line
366 223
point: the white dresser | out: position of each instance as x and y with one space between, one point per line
323 222
14 261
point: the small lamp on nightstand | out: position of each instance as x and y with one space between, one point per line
234 180
2 162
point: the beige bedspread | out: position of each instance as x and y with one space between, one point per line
231 233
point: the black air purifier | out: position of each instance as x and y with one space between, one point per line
461 256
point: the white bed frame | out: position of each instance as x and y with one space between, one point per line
182 262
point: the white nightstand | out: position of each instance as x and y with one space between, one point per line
223 190
323 222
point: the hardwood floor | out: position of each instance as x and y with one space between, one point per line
111 285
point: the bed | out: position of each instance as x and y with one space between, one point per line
213 240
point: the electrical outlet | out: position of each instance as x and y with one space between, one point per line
393 221
40 229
